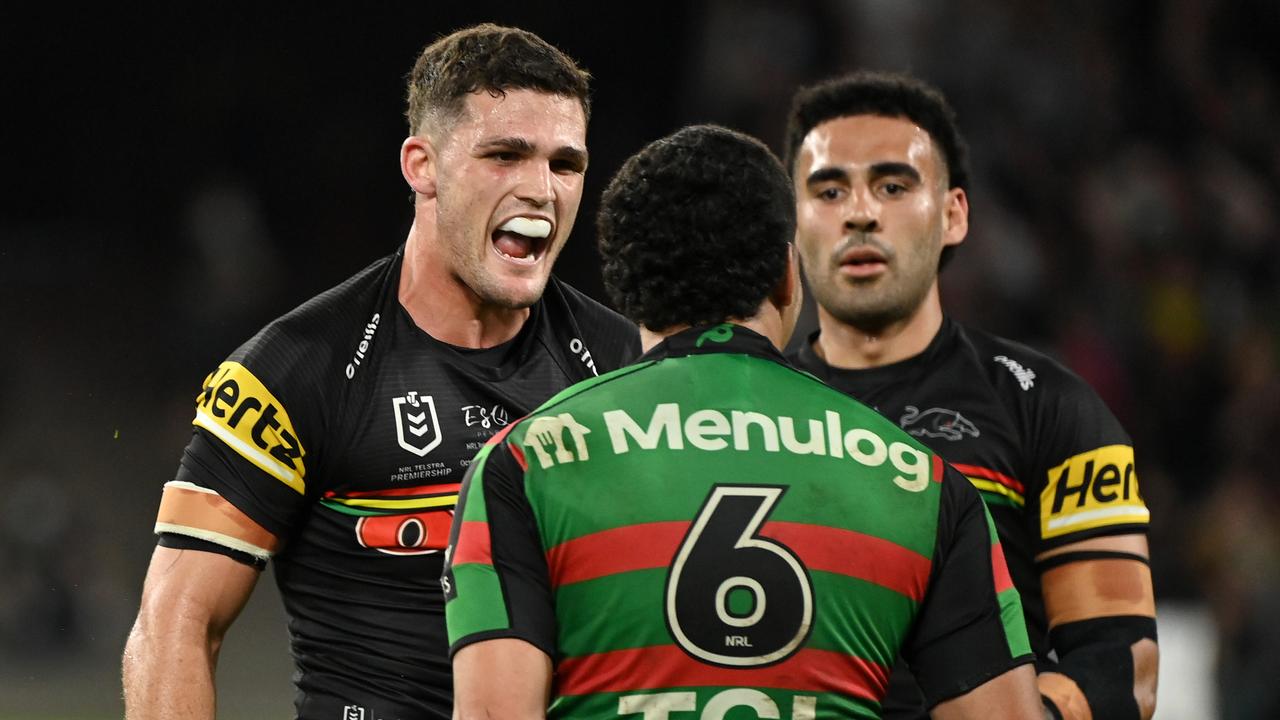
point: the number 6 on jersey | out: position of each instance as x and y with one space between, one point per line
734 598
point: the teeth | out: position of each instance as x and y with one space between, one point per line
528 227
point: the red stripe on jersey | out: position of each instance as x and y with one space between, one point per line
653 545
634 547
473 544
855 554
939 468
666 666
443 489
989 474
1000 569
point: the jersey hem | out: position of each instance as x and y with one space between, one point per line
973 681
496 635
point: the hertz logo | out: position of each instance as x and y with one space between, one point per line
1090 490
239 410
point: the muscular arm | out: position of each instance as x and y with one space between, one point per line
505 679
1009 696
189 600
1087 586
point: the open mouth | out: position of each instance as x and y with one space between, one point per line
522 240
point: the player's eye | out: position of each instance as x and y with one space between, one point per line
566 167
892 188
830 193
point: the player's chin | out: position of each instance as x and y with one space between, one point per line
517 291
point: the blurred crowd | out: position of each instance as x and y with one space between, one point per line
1124 218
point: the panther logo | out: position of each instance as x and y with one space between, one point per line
937 422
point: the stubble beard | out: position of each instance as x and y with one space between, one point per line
870 305
474 269
495 289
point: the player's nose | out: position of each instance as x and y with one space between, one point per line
536 186
862 212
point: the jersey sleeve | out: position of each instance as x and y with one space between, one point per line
1085 479
970 627
496 579
255 440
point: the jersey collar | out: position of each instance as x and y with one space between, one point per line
721 338
874 377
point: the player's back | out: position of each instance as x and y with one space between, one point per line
721 530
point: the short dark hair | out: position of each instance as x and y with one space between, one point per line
694 228
885 94
888 95
492 58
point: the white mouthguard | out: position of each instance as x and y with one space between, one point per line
528 227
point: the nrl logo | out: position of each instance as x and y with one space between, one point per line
417 427
937 422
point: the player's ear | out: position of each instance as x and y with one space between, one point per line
788 295
418 165
955 217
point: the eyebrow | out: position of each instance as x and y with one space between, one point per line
887 169
878 170
575 155
827 174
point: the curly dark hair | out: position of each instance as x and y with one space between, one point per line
694 228
888 95
493 58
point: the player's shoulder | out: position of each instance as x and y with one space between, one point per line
599 336
592 315
323 335
602 391
1016 369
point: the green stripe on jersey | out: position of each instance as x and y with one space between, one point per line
636 597
1015 628
484 607
992 535
873 634
609 705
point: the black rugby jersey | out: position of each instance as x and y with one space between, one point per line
1051 461
345 430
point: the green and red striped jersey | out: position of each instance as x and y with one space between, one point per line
710 528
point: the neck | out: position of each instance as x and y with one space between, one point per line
768 322
442 305
843 345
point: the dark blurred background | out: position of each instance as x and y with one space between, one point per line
175 177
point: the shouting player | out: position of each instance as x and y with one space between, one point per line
879 171
334 441
710 533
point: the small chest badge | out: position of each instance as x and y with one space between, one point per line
417 427
937 422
